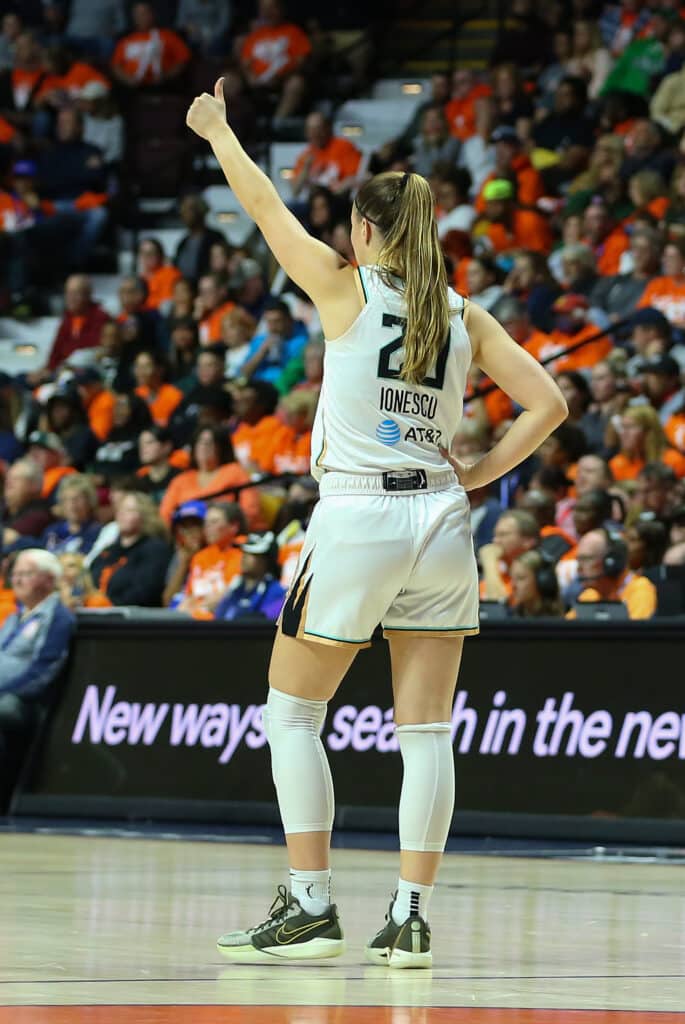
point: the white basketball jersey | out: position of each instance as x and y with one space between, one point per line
368 419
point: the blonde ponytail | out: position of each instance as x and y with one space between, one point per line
411 262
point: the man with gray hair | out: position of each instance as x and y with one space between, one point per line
515 319
34 643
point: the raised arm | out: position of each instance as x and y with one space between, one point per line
526 382
315 267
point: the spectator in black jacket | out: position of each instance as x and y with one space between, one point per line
141 327
71 166
118 455
155 445
566 131
206 401
66 417
133 570
72 175
192 254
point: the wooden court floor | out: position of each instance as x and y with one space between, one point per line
116 931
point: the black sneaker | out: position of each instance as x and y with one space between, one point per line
401 945
289 934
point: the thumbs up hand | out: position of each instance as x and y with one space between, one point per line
207 113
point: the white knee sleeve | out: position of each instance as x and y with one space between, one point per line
298 762
427 798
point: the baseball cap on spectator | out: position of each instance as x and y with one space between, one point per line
190 510
662 364
498 188
505 133
259 544
650 317
43 439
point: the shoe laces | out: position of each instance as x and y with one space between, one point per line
278 910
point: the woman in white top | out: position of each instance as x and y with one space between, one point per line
589 60
389 540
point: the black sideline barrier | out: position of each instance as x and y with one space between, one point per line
560 730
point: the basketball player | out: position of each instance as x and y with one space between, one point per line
389 540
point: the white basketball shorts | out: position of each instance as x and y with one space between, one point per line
405 560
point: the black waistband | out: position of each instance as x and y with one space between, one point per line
406 480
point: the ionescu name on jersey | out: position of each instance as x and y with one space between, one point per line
408 403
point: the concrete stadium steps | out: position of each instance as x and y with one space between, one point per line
426 39
428 42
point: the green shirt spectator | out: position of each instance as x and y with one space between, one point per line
636 67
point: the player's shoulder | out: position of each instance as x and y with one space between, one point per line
457 303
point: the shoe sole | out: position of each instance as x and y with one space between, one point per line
315 949
377 954
398 959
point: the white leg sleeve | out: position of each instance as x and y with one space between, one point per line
427 798
298 762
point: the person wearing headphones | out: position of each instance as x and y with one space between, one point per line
535 590
603 566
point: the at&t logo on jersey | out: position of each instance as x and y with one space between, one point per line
388 432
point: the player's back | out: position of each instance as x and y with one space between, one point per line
369 420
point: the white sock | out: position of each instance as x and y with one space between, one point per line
312 889
412 898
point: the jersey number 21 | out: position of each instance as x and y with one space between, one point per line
385 354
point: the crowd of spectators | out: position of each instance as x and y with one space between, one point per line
77 78
559 181
162 453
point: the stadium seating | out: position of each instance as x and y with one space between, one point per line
370 123
25 347
227 215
